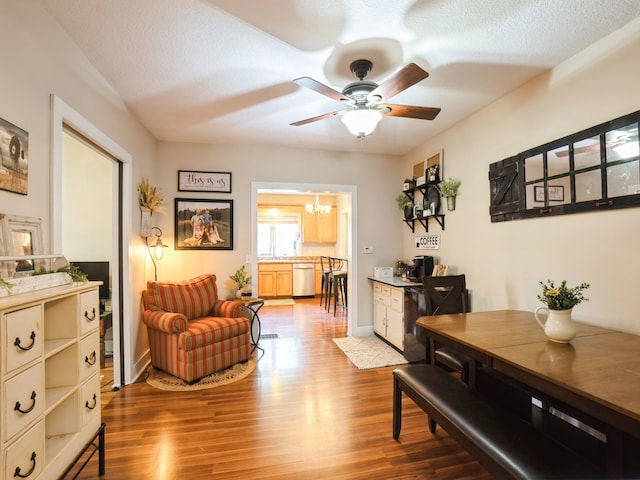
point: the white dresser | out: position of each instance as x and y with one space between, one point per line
50 376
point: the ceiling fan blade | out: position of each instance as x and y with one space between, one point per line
319 117
410 111
322 89
407 76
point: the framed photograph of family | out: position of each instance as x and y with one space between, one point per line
203 224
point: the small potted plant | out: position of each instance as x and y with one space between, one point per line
408 184
449 189
243 282
405 204
433 173
558 305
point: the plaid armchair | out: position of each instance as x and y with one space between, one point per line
191 332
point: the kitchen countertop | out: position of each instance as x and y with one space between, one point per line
289 260
396 282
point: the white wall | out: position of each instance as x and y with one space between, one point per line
375 177
505 261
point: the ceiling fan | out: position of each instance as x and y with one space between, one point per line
367 100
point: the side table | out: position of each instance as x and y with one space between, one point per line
253 305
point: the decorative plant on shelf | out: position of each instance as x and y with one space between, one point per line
449 189
433 173
406 204
72 270
243 281
5 284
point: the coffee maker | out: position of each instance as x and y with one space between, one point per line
422 266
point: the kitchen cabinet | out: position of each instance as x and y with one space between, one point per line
388 313
321 228
50 379
275 280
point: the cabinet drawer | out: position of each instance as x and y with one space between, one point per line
27 454
25 328
90 399
382 294
89 360
397 299
25 400
89 311
275 267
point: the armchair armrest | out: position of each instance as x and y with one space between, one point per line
227 308
165 321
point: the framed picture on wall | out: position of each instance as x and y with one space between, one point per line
14 158
203 224
195 181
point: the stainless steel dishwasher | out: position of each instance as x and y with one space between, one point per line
304 280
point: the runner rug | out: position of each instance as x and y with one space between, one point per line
369 352
164 381
276 302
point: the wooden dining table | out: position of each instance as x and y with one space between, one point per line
477 333
597 373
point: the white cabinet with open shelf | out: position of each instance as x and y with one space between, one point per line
50 378
388 317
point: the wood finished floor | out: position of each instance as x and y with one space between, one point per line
305 413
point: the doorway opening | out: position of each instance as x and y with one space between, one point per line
109 230
90 173
345 202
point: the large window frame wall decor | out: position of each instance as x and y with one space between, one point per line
597 168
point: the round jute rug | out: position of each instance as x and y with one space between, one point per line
164 381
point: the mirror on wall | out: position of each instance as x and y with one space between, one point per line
596 167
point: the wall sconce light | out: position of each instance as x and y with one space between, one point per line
158 250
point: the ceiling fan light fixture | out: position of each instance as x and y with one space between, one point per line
361 121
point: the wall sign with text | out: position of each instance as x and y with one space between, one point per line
194 181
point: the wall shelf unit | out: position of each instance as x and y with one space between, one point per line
431 197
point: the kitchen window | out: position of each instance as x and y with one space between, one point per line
279 235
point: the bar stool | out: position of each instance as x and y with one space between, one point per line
336 284
326 270
339 283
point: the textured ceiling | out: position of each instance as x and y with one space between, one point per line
221 71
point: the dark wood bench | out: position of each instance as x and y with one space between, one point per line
502 442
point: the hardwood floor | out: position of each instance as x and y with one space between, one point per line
305 413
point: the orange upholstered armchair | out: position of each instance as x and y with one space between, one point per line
191 332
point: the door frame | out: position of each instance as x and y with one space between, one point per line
351 241
121 242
